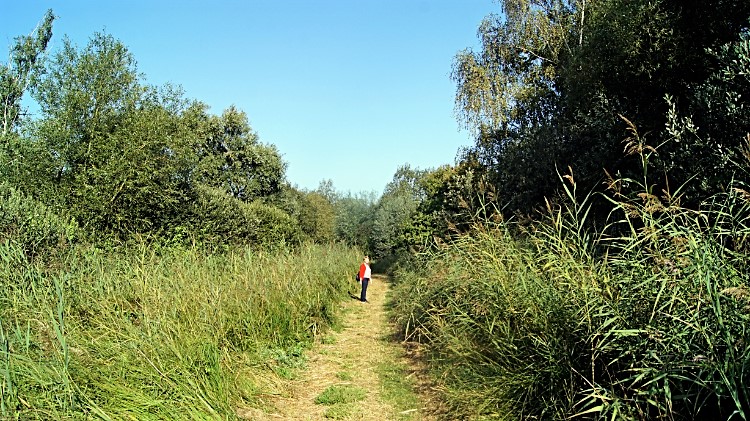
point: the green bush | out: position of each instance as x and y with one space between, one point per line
219 218
32 225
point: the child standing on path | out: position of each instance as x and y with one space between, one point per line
364 276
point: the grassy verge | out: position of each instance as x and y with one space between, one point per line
149 333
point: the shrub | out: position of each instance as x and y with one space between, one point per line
32 225
219 218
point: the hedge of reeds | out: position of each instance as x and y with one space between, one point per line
154 333
648 319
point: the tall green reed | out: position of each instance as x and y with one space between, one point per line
7 394
149 332
644 319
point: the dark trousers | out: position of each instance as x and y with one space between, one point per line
363 296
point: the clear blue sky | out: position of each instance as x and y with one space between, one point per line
347 90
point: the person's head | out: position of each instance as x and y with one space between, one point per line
367 259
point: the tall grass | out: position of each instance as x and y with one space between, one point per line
643 320
151 333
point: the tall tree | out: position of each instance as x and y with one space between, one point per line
635 55
354 215
552 78
17 75
20 159
233 158
121 151
509 82
317 217
508 94
84 97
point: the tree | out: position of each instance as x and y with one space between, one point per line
120 151
317 217
84 97
17 75
719 120
551 80
232 157
20 159
354 216
395 207
327 190
510 82
508 94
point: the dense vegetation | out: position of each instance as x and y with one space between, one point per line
155 260
548 321
123 159
587 257
148 333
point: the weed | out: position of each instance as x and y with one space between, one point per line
344 376
340 394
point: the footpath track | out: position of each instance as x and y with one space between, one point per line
351 360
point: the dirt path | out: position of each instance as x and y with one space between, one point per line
357 358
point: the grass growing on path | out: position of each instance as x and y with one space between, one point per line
362 357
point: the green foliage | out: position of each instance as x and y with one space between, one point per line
126 159
314 211
84 96
18 74
720 104
133 330
391 213
640 319
447 200
646 322
509 80
16 78
354 214
32 226
633 56
232 157
151 332
317 217
220 218
546 87
120 151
